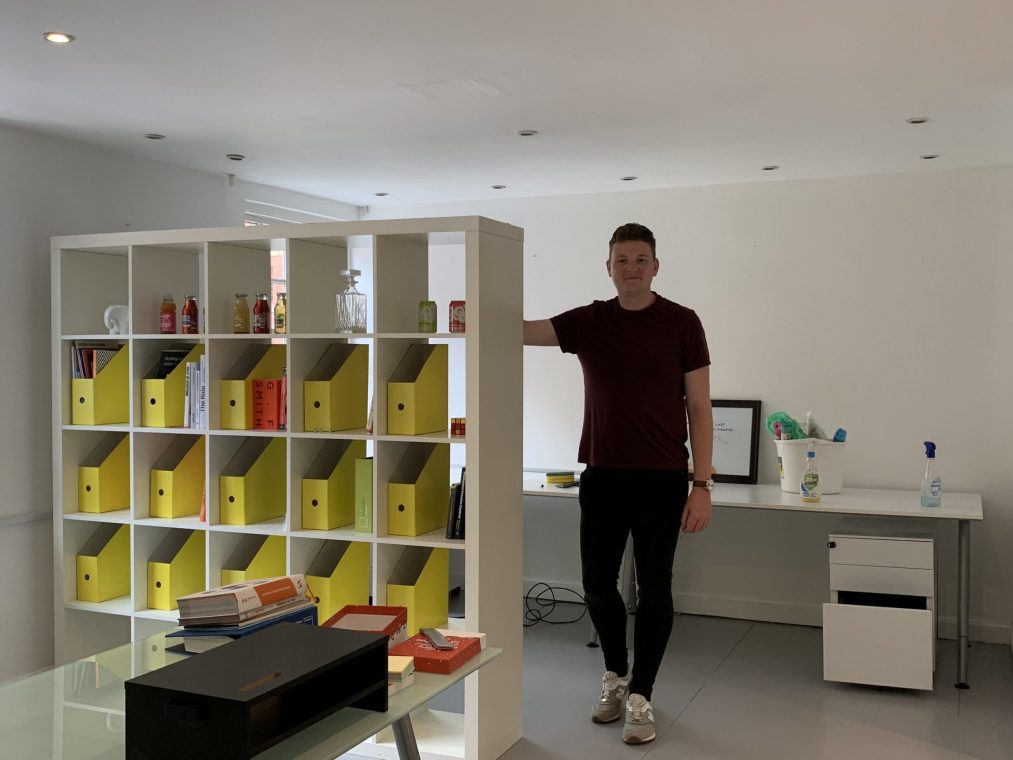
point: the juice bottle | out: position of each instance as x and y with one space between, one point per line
167 316
261 315
191 321
281 314
241 314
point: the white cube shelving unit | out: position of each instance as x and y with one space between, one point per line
402 262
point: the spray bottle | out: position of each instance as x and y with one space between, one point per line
811 487
932 486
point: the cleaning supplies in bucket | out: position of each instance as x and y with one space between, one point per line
793 440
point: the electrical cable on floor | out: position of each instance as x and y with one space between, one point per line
539 606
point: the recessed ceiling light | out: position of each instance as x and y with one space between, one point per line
235 156
771 168
627 179
498 187
58 38
381 195
154 136
930 156
918 120
527 132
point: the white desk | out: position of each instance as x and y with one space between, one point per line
962 507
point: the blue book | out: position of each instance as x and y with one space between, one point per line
203 638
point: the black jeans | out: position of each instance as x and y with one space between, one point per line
648 504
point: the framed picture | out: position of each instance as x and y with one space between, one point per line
736 440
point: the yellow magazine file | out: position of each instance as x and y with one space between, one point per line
364 495
103 478
162 400
105 398
176 568
339 575
420 582
177 478
103 564
328 487
255 557
417 391
252 486
258 362
334 391
418 490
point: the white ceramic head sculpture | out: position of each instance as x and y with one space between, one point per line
117 319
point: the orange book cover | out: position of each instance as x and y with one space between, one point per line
266 398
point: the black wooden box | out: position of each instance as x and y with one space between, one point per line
240 698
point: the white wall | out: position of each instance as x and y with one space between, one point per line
882 303
56 187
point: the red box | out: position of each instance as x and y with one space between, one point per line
390 621
429 659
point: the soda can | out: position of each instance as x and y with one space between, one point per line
427 316
457 316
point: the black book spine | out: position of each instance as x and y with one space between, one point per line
458 531
455 491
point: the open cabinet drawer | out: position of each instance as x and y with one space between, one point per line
881 646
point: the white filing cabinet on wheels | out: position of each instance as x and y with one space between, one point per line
879 627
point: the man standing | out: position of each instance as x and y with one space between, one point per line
646 367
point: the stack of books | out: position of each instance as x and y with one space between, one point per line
400 673
87 358
220 615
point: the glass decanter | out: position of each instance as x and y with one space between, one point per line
350 305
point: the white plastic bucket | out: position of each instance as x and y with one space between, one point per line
829 463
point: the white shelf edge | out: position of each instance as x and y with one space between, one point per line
434 538
120 517
121 606
167 616
274 527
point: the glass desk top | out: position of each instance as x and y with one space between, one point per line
76 711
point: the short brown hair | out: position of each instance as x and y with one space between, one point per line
632 231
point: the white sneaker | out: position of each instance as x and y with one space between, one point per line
610 705
639 726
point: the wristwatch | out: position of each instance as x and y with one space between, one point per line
707 484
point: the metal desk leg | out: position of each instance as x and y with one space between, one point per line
404 739
963 599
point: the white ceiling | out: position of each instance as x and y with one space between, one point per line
423 98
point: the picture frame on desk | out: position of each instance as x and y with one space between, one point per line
736 440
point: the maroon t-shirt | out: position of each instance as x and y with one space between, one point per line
634 394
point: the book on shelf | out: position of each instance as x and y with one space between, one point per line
195 394
242 600
429 659
455 494
87 358
283 400
560 477
169 358
198 639
456 508
266 404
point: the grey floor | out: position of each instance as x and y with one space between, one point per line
738 689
